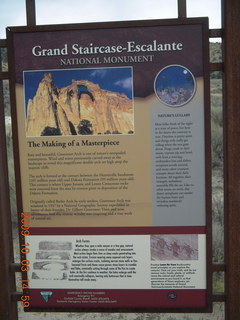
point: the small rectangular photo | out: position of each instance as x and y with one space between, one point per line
174 247
79 102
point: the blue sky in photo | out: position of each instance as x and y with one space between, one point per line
111 79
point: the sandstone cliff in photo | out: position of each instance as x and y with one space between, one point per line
80 108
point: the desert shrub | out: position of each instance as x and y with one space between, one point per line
6 97
218 242
217 209
217 117
50 131
85 127
215 52
217 147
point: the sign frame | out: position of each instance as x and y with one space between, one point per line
101 230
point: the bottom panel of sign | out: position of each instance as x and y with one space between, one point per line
62 298
159 270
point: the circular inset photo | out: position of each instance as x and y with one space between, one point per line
175 85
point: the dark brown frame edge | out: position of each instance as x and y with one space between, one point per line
8 307
208 164
205 63
231 44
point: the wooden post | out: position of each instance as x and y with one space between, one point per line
231 25
8 307
182 9
31 12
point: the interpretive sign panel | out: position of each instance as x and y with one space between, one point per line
112 144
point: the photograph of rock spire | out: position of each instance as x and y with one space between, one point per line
79 102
